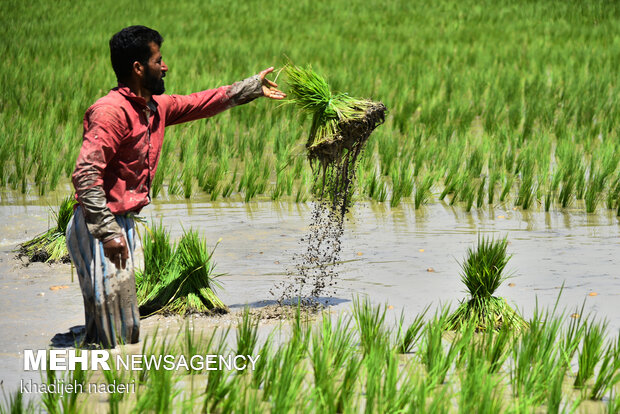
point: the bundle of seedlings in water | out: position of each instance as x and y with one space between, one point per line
483 273
51 246
177 279
341 125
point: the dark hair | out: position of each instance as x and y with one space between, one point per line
130 45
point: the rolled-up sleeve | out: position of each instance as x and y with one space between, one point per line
101 140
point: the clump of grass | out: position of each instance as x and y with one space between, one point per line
178 279
483 273
51 246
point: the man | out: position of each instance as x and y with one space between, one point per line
122 141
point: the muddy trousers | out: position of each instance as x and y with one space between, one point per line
110 303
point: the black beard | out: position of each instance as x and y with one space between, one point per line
153 84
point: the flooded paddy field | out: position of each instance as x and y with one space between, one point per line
403 258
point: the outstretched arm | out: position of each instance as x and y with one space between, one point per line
184 108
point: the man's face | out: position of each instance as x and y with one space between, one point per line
154 72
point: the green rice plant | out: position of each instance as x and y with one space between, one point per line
608 372
219 382
572 335
114 375
285 375
159 391
387 389
493 179
480 194
405 341
247 333
423 190
264 362
370 322
591 352
508 181
340 127
433 355
14 403
51 246
613 404
480 390
482 273
158 254
334 365
186 282
536 357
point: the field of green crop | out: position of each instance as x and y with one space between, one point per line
488 103
357 364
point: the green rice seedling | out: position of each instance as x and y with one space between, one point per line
572 335
261 367
608 372
387 389
535 357
187 282
433 355
382 193
405 342
247 333
508 181
423 190
14 403
591 352
158 254
285 375
493 179
113 375
158 393
482 273
493 347
370 322
334 365
480 194
480 390
51 246
341 125
219 382
613 403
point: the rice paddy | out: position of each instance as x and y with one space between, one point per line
489 104
355 363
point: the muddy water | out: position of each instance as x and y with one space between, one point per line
401 257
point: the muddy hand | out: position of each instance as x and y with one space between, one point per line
270 89
116 250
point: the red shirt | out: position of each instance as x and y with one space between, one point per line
123 138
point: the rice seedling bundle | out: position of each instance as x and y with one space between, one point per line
340 127
483 273
51 246
178 279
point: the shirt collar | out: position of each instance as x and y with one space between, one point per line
127 93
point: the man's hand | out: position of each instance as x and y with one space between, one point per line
270 89
116 250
